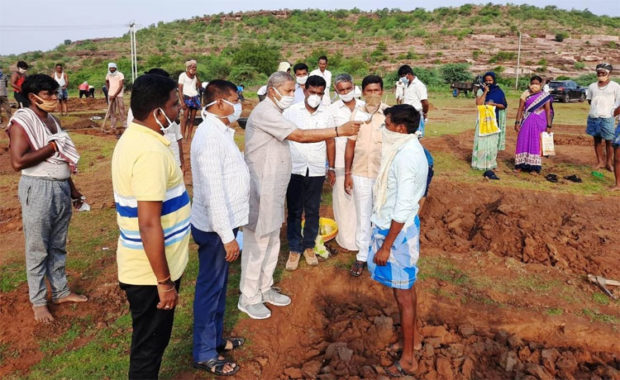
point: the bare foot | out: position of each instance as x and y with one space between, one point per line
402 367
610 168
600 165
615 188
72 297
42 314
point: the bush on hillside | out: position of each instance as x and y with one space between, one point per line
455 72
263 58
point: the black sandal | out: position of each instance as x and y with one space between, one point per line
573 178
401 372
216 367
235 341
357 268
551 178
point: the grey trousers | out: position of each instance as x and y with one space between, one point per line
46 212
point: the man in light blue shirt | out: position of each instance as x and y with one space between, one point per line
395 244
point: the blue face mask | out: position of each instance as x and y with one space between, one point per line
405 81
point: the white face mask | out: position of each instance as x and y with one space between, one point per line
285 101
314 100
20 70
346 97
237 108
301 80
161 126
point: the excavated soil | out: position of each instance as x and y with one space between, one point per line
339 327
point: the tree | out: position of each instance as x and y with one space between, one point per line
264 59
455 72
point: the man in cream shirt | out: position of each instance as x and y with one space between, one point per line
325 74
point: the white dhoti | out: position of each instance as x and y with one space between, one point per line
344 213
362 196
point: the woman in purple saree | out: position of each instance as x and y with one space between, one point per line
534 116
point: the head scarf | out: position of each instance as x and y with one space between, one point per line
495 93
112 65
284 66
190 62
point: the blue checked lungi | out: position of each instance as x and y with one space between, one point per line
401 270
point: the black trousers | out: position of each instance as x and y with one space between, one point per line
303 196
151 330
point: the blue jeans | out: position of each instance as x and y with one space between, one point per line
46 212
210 296
303 196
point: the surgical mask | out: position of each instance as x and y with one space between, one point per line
534 87
237 108
346 97
161 126
285 101
20 70
301 80
314 100
46 105
405 81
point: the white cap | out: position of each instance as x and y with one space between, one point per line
284 66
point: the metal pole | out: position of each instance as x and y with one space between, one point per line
132 42
135 52
518 61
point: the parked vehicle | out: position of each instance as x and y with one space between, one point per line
566 90
466 87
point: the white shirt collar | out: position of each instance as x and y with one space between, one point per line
219 124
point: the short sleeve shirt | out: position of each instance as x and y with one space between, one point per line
116 81
415 93
268 157
603 100
143 169
189 85
367 154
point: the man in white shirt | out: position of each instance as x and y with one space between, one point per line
303 195
325 74
342 111
301 76
220 206
395 245
414 93
603 97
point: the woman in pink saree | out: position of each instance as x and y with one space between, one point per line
534 117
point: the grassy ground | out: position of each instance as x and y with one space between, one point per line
92 238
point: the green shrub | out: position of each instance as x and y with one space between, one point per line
263 58
243 74
580 65
455 72
586 79
502 56
560 36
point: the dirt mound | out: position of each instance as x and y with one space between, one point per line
569 232
561 139
359 328
85 104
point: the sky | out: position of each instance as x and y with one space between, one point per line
44 24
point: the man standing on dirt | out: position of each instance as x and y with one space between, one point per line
362 160
327 75
4 98
220 207
152 212
17 79
268 156
603 97
303 195
414 93
46 156
342 111
63 82
115 83
395 244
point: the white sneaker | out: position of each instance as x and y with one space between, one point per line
276 298
256 311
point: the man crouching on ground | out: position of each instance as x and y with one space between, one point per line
395 244
152 212
46 156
